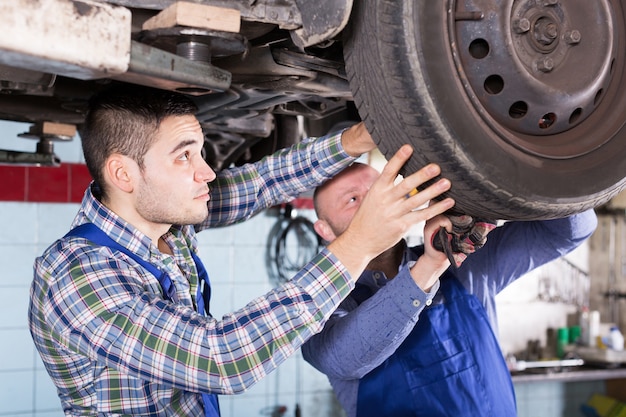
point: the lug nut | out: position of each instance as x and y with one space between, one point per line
545 64
521 25
572 37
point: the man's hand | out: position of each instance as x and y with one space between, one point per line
465 236
386 213
433 263
356 140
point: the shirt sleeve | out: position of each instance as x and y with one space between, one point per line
357 339
99 309
516 248
241 192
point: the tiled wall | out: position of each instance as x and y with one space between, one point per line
236 261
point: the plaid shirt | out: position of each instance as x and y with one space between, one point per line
114 346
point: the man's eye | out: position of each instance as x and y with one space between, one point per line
184 156
352 199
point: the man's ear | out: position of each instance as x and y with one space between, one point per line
118 171
324 230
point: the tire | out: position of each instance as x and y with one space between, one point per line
520 136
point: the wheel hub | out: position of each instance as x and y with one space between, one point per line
538 67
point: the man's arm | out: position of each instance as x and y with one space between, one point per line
516 248
96 304
359 337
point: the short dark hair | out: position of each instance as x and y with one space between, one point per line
125 119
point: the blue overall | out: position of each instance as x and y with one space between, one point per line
449 365
94 234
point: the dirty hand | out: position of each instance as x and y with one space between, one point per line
466 235
387 212
429 267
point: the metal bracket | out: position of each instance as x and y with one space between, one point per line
321 20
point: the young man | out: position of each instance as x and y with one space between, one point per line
411 343
116 312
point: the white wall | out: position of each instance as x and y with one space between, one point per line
548 297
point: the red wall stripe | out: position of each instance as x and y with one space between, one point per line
63 184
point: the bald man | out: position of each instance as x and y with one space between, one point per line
417 337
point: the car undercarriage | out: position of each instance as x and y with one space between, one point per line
520 101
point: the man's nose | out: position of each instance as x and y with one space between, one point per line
204 173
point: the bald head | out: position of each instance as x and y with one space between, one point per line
337 200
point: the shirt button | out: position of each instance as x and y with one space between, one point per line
429 302
416 303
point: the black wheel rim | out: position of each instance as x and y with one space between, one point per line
539 72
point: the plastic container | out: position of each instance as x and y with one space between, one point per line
616 339
594 328
584 326
562 340
574 335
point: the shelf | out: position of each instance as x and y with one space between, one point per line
584 373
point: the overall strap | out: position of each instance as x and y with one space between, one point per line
203 295
96 235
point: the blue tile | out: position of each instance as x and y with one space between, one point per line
320 403
218 262
540 408
250 265
246 293
16 264
312 380
46 398
37 361
58 413
249 405
14 308
16 355
219 236
226 405
221 300
54 221
255 231
16 392
20 223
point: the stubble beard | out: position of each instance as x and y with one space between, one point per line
166 209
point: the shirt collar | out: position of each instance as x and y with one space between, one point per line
378 278
93 211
